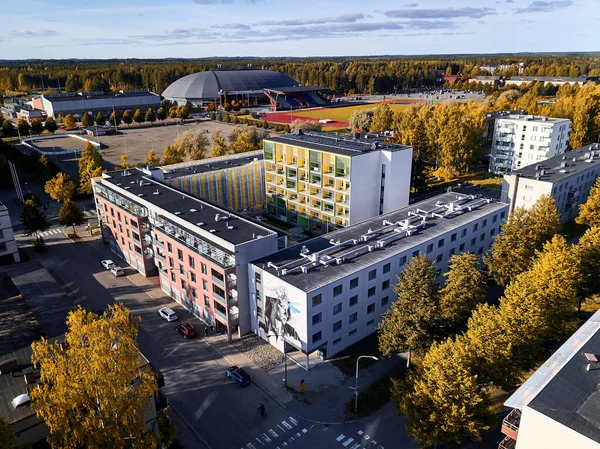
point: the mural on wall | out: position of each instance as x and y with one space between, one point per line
279 316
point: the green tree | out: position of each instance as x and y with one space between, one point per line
71 215
92 391
90 166
172 155
23 127
412 321
33 219
8 129
114 119
589 212
86 120
152 159
60 188
100 119
161 114
138 117
36 126
50 125
126 118
465 288
383 117
7 437
150 116
70 121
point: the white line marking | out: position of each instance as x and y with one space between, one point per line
298 434
250 446
355 446
293 421
360 432
281 428
284 444
257 439
367 437
266 438
341 437
304 430
273 433
286 425
347 442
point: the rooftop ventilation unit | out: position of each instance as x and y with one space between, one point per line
127 187
177 213
193 210
229 227
21 400
156 192
212 231
140 195
200 223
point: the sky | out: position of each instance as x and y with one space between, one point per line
105 29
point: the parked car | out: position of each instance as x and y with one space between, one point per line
168 314
108 264
239 376
186 329
117 271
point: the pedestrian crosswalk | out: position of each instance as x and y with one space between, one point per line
288 429
50 232
359 441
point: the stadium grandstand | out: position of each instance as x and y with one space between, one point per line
295 97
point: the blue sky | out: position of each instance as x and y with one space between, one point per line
203 28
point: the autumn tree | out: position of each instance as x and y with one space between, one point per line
172 155
93 392
219 147
161 114
383 117
150 116
114 119
412 321
125 161
244 139
173 112
36 126
90 166
50 125
86 120
360 120
304 125
464 289
152 159
33 219
126 118
193 144
23 127
100 119
138 117
60 188
588 250
183 112
589 212
70 121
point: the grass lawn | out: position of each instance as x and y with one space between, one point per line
345 361
342 114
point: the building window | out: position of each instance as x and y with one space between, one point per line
194 293
371 308
475 227
204 270
316 319
354 283
183 284
352 332
492 232
337 340
128 234
371 291
193 277
126 221
192 261
316 300
461 248
205 285
441 243
385 284
169 247
337 326
180 255
171 263
206 301
119 216
502 214
415 253
372 274
316 337
453 237
337 290
451 252
482 237
429 248
370 322
439 258
122 241
352 318
403 261
484 223
463 233
172 277
473 242
337 308
181 270
385 300
354 300
495 218
387 267
480 251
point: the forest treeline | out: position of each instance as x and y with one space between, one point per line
342 75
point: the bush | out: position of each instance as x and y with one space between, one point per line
212 116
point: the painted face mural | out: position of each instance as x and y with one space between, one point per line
278 316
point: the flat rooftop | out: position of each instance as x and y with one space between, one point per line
235 230
392 229
532 118
552 170
208 165
99 95
338 144
2 207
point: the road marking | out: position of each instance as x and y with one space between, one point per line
286 425
266 438
273 433
367 437
298 434
341 437
347 442
250 446
293 421
304 430
284 444
257 439
355 446
360 432
281 428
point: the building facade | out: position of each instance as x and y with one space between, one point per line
328 293
568 178
198 250
558 407
522 140
322 181
234 181
8 245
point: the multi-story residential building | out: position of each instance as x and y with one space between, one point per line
235 181
8 245
329 292
568 178
200 251
558 407
522 140
322 181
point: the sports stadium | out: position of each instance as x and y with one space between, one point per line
247 86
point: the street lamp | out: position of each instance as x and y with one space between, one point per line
285 379
356 379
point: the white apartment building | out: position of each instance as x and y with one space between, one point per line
8 245
328 293
558 407
522 140
568 178
325 181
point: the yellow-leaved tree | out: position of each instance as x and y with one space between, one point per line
90 166
589 212
60 188
93 393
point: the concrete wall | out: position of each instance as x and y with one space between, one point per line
8 245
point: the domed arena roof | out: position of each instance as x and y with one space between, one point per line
207 85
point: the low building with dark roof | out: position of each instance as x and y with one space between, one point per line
558 407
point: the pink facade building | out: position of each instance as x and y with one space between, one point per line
199 251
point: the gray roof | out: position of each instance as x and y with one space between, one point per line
576 161
206 85
562 389
185 206
204 166
338 144
396 243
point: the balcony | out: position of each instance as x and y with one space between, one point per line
160 257
232 281
221 314
217 280
159 242
507 443
510 424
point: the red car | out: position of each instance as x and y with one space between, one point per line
186 329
